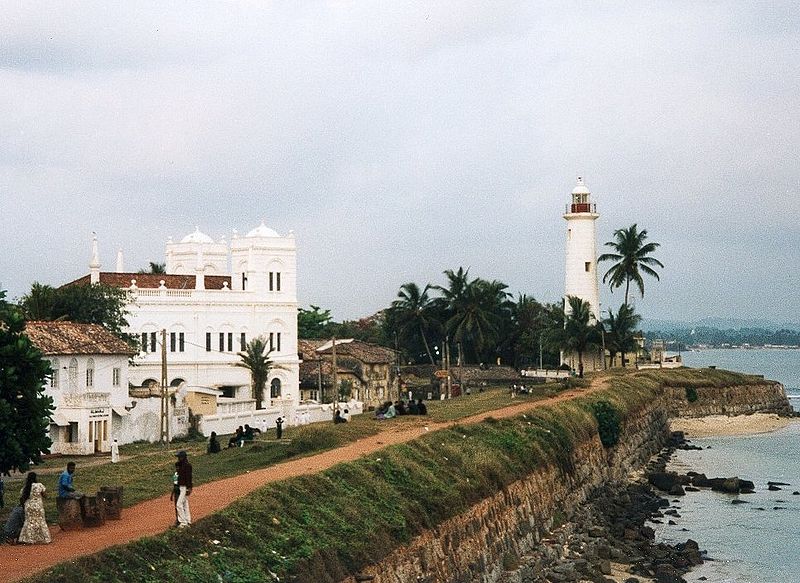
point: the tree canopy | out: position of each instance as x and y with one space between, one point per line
24 408
92 303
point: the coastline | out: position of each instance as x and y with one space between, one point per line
723 425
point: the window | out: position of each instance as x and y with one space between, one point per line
271 341
222 341
72 432
73 374
144 341
243 342
275 388
278 347
587 266
173 341
278 281
116 374
54 377
244 281
90 373
181 341
208 341
152 341
271 281
230 341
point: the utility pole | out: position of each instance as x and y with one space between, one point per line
335 378
540 350
164 390
447 365
460 367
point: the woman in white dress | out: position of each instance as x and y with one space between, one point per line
34 529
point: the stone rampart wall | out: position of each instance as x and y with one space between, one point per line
473 547
768 397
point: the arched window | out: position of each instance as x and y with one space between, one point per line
73 374
90 373
275 388
54 365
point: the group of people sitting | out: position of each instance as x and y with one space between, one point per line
240 437
390 410
340 416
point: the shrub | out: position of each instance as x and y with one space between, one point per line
691 394
608 422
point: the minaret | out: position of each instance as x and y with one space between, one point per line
581 266
94 263
120 262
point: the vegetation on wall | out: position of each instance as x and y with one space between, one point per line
609 423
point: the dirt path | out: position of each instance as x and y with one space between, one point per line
155 516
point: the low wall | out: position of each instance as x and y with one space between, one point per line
769 397
264 419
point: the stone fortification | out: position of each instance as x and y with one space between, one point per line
480 544
767 397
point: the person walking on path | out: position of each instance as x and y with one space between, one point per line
34 529
184 469
279 427
65 486
114 452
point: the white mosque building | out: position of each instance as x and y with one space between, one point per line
581 264
214 298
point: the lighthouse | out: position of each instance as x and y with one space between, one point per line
581 250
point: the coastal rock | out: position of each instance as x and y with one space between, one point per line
777 484
727 485
700 480
773 488
664 481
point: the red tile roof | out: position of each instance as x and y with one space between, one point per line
153 280
64 337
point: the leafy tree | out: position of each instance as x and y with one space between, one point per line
620 330
92 303
633 257
530 332
412 314
155 268
24 408
312 323
255 358
579 331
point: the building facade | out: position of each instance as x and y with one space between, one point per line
89 384
214 298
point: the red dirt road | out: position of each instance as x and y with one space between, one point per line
157 515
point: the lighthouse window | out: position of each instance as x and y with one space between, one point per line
587 266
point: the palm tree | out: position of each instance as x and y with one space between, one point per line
579 332
413 313
619 331
478 314
255 358
632 257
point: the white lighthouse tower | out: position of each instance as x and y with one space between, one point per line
581 256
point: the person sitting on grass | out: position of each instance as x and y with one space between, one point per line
236 439
421 408
412 407
248 435
391 411
337 417
400 407
213 443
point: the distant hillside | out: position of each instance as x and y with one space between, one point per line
657 325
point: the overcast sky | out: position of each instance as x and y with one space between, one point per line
401 139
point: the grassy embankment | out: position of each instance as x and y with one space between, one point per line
320 527
146 469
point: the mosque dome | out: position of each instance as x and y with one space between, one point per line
580 188
197 237
262 231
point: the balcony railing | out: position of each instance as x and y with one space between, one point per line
581 207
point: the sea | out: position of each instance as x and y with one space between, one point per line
754 542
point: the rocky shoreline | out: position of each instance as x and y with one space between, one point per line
611 531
